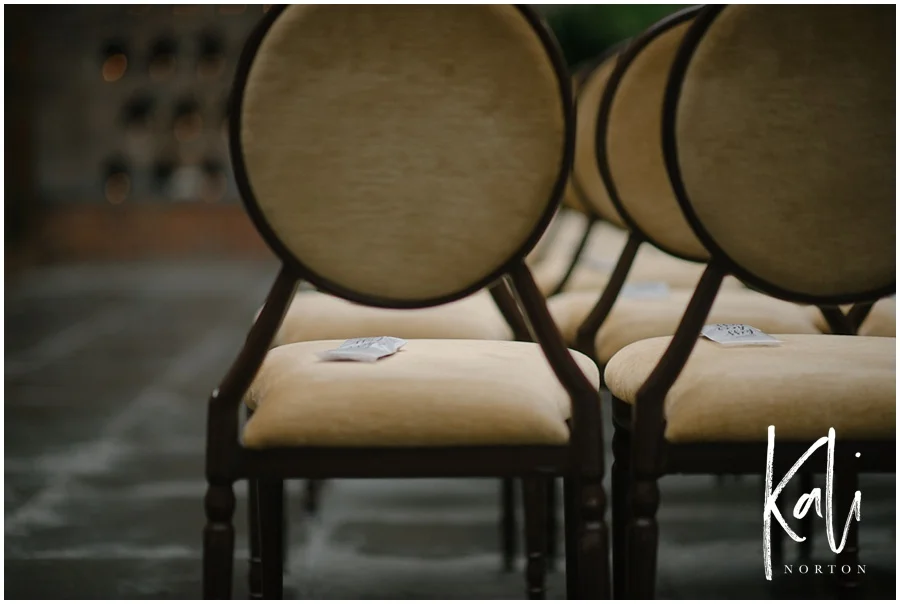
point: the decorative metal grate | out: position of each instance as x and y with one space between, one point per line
132 101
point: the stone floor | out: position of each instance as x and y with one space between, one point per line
107 372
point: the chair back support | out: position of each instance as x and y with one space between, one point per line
401 156
629 140
585 175
778 133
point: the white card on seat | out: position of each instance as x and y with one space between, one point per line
366 350
737 334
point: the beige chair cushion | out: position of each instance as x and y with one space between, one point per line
881 322
804 387
585 172
317 316
634 319
431 393
600 256
403 152
634 147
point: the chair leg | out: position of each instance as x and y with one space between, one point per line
776 534
593 538
271 515
508 523
642 537
806 523
846 481
218 541
621 446
534 498
552 521
254 576
570 509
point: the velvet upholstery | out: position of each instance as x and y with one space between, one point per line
403 153
804 387
633 145
430 393
634 319
585 173
319 316
784 136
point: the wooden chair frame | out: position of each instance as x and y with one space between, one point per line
641 453
579 462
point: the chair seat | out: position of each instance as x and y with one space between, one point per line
431 393
634 319
803 387
881 321
316 316
598 262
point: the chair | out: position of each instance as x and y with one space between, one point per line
583 260
762 103
413 160
314 315
630 170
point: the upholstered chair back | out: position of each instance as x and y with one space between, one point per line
779 137
401 156
629 140
585 175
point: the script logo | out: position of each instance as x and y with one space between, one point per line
806 501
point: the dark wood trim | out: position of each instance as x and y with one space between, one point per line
626 58
585 398
673 360
749 458
403 462
224 402
587 332
689 45
859 312
305 273
838 322
512 313
576 254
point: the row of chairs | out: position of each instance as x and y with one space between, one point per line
406 161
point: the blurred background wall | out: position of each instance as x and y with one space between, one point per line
116 144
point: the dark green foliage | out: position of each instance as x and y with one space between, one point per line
586 30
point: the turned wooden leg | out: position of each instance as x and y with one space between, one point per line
593 539
846 483
776 534
508 523
218 541
552 521
570 511
806 523
620 478
534 498
254 576
642 537
271 514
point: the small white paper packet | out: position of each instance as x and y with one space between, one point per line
738 334
365 350
645 290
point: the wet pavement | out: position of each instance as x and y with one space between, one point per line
107 373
